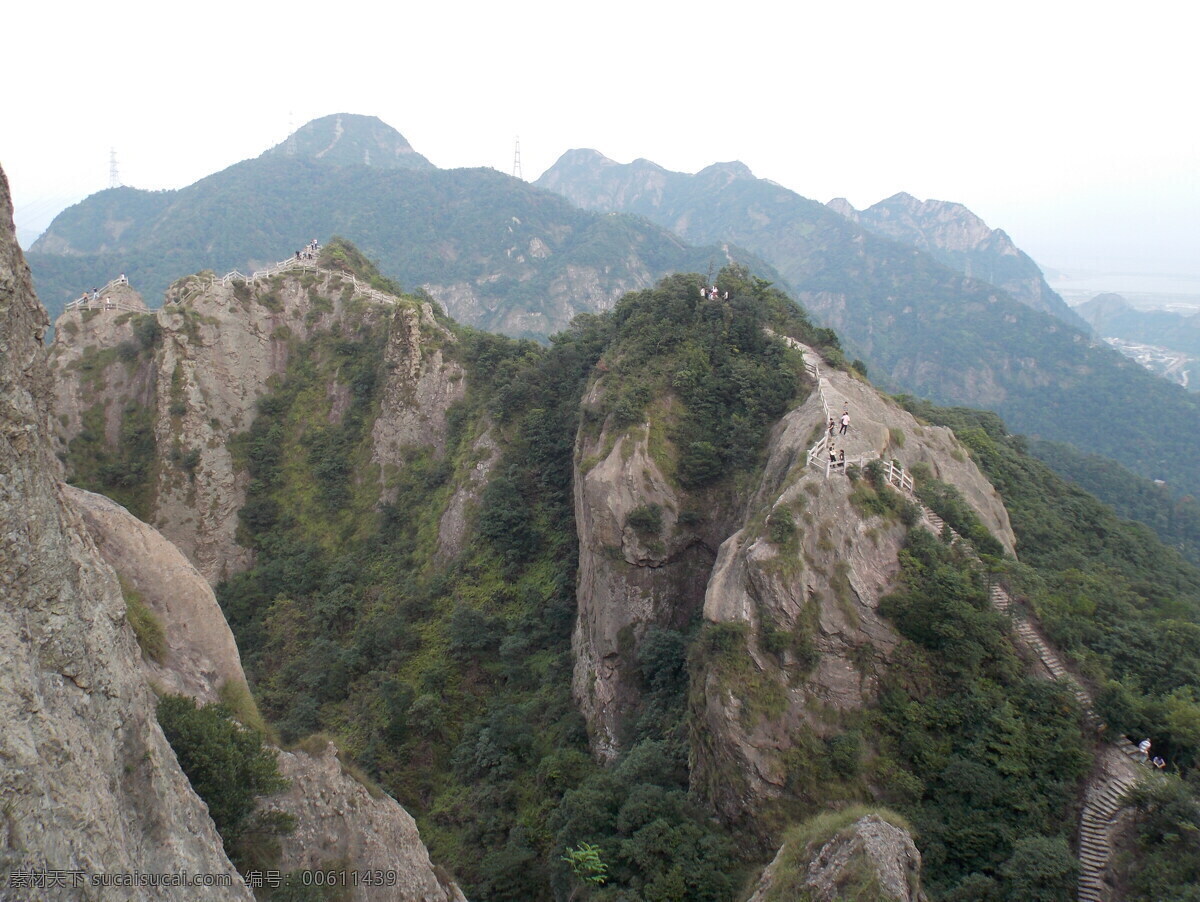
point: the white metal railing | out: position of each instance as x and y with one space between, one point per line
893 473
818 455
896 476
307 261
814 453
105 303
97 300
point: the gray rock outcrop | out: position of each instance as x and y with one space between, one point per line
200 382
871 859
815 641
958 238
88 780
341 825
630 579
201 656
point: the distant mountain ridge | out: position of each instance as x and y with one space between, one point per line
956 237
497 252
921 326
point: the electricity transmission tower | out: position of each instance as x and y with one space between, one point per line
114 179
517 160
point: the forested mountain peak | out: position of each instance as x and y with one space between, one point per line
734 169
931 224
349 139
976 327
958 238
495 251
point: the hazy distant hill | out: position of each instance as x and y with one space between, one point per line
955 236
349 140
1114 317
921 326
498 252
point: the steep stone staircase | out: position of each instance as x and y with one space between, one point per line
1121 763
1119 767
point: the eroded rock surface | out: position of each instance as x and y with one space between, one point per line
200 379
874 858
87 778
630 579
201 655
806 600
340 825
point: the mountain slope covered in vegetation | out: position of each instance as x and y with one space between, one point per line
421 593
495 251
920 326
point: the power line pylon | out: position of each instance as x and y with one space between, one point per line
517 160
114 178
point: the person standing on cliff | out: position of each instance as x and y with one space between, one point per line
845 422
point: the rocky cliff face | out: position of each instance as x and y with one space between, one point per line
800 601
163 396
343 826
200 656
88 780
340 825
630 579
793 580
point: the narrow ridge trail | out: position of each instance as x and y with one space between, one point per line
1119 763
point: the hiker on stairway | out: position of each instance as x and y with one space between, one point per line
845 422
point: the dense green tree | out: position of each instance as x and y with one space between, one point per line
226 763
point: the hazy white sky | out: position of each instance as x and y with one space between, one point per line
1071 125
